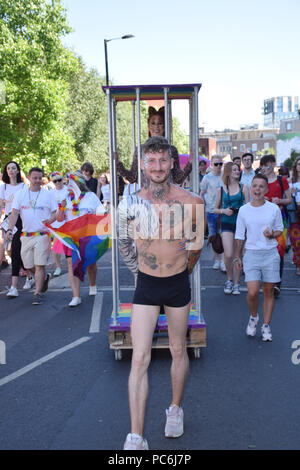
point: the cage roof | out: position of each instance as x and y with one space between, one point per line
152 92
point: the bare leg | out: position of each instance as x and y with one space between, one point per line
57 258
39 275
143 322
14 281
177 327
268 290
74 281
252 296
2 248
92 273
228 238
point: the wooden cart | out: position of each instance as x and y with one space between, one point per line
120 339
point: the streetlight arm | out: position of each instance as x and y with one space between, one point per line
127 36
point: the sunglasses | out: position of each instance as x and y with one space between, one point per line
218 164
57 181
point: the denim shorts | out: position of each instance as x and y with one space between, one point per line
262 265
212 223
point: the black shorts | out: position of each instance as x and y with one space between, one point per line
171 291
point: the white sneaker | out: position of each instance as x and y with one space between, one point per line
93 290
236 289
174 423
135 442
12 293
57 272
29 283
266 333
216 264
222 266
252 325
75 301
228 288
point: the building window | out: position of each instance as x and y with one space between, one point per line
279 105
254 147
266 145
288 126
242 147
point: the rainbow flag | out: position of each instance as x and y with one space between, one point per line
88 236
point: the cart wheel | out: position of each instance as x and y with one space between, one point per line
197 352
118 354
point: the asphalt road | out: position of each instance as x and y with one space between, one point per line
61 387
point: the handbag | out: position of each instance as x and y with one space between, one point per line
216 239
216 243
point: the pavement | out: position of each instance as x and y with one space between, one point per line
62 389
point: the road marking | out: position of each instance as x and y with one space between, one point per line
96 313
42 360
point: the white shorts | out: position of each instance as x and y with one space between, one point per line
35 250
262 265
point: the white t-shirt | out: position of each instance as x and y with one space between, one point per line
210 185
252 221
59 195
7 194
89 204
34 207
106 192
296 186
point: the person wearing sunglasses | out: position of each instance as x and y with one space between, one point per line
210 184
60 193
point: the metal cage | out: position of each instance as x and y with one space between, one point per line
136 94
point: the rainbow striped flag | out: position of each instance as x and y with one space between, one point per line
88 236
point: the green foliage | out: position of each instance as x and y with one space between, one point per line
51 106
35 68
290 161
180 139
87 121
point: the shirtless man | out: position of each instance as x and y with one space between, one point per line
166 224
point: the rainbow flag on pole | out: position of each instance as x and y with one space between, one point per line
88 236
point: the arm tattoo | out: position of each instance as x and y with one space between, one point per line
136 218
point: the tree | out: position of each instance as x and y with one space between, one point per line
268 151
87 120
290 161
35 68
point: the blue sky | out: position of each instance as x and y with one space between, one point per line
241 51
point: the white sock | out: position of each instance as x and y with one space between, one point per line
136 436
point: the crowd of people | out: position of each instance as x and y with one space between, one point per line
255 211
27 204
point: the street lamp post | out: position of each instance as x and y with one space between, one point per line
127 36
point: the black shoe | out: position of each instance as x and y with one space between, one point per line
46 282
276 291
37 299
